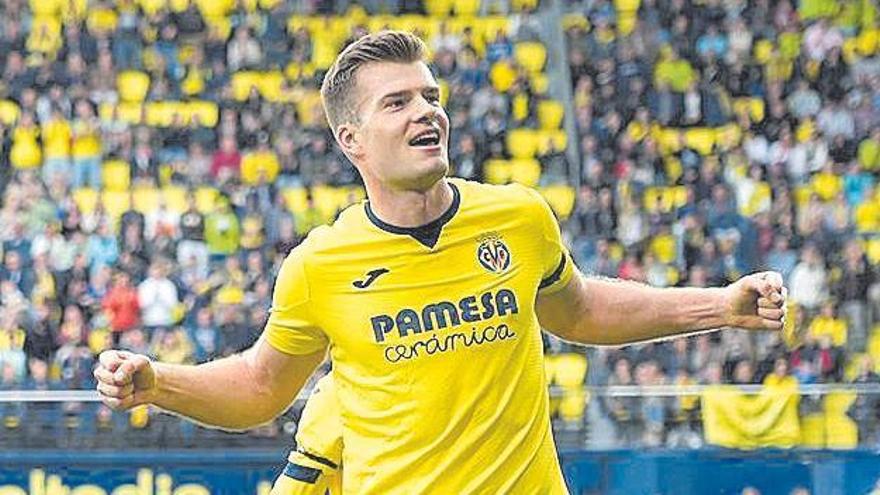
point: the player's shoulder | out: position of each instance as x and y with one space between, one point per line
348 227
512 195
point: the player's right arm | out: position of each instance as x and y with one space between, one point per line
236 392
239 391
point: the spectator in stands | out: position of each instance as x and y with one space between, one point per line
122 305
809 282
15 271
222 231
86 147
157 299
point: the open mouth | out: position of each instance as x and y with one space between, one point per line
426 139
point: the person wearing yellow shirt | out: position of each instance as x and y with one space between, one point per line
827 323
25 153
86 148
826 183
57 136
430 298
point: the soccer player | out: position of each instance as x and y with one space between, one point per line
429 297
313 467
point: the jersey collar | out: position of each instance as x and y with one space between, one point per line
427 234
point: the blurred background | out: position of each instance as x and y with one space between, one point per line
159 158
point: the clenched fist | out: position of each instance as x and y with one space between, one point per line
756 302
125 379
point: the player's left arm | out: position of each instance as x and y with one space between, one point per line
609 311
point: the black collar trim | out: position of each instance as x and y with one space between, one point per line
427 234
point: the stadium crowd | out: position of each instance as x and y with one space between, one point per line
149 154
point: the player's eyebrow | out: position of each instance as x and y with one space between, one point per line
431 90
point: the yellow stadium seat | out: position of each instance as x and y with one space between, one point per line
86 199
146 199
522 143
874 346
175 198
161 113
325 200
497 171
115 203
840 432
297 199
438 8
790 45
813 431
872 251
133 85
466 7
205 199
522 5
837 403
116 175
550 114
215 8
558 138
295 71
242 82
207 111
101 20
220 24
540 83
152 7
728 136
48 8
525 171
573 404
669 141
531 55
9 112
575 19
519 107
756 109
701 139
868 41
502 76
762 51
270 84
571 369
560 198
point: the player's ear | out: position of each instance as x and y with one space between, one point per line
349 139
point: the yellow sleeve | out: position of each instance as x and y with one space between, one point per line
292 327
558 267
319 433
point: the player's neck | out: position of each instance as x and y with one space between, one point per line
410 208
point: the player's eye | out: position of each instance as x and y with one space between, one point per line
395 103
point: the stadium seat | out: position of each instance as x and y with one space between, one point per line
152 7
560 198
496 171
160 113
550 114
296 199
525 171
701 139
46 8
115 203
205 199
86 199
502 76
101 19
540 83
175 198
558 138
466 7
9 112
531 55
115 175
841 432
522 143
146 199
208 112
242 82
519 107
573 404
270 84
571 370
813 431
438 8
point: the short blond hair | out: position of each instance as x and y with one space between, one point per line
338 89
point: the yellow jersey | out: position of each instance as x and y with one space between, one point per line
313 467
435 343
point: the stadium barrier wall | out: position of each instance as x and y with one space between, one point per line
237 472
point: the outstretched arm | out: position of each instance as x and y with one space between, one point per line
613 312
236 392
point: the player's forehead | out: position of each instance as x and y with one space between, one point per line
377 80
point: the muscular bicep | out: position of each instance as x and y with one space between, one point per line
560 311
280 375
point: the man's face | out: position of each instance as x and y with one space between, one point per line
402 139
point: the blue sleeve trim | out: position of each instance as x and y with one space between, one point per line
302 473
554 277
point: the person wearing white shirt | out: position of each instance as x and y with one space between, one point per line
157 297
